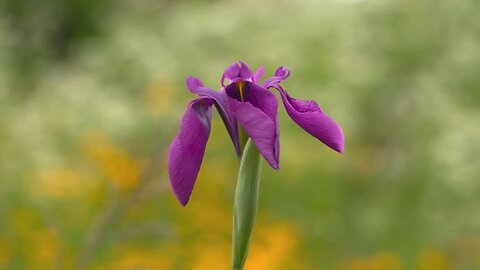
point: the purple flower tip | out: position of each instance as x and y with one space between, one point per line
239 71
283 72
194 83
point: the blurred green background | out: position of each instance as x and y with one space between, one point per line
92 92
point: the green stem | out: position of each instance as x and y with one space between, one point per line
243 138
245 204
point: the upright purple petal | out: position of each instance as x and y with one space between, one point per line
238 71
257 76
188 148
256 110
196 86
308 115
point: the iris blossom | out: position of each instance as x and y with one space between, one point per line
243 102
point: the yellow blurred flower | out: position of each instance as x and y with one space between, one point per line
45 246
60 184
5 253
160 97
384 260
274 248
113 161
130 259
209 193
212 256
40 245
358 263
430 259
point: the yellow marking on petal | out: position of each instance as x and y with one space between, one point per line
241 86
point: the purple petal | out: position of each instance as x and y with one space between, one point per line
257 113
196 86
282 74
239 71
308 115
188 148
257 76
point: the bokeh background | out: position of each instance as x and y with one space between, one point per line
91 94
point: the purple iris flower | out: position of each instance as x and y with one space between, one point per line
245 103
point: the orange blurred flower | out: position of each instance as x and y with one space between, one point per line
384 260
113 161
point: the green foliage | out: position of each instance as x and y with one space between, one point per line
89 90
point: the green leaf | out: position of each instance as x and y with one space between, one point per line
245 204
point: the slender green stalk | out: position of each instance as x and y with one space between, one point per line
243 137
245 204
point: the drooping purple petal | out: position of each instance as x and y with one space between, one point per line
196 86
256 110
281 74
238 71
188 148
308 115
